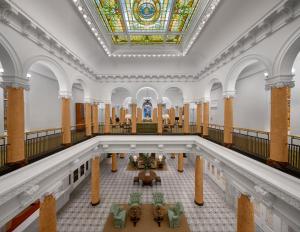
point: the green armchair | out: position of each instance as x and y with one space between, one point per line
119 216
135 199
174 214
158 199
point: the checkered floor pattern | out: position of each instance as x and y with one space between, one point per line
79 215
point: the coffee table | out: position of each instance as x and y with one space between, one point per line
147 177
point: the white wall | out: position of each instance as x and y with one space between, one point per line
43 101
295 100
217 105
251 106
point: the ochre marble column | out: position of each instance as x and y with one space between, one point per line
199 118
172 116
159 119
47 219
228 120
245 215
154 115
107 119
113 115
180 116
114 162
180 162
186 126
139 115
205 118
95 118
66 120
133 118
95 181
199 181
279 126
122 115
87 118
15 125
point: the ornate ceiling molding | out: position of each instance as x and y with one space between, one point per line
283 14
14 17
147 78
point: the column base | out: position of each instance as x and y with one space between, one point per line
180 170
114 170
228 145
18 164
94 204
199 204
67 144
277 164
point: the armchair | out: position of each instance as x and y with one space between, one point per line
119 216
158 199
135 199
174 214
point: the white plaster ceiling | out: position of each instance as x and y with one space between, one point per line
231 19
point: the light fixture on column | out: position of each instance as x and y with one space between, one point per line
1 70
293 71
28 75
266 74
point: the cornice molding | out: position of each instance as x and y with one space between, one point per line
147 78
15 18
280 16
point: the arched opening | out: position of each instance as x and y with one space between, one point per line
216 104
146 98
118 96
77 105
175 96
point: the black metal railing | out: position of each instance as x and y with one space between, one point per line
78 134
253 142
216 133
294 152
42 142
3 151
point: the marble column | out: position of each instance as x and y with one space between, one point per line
15 126
199 118
66 120
107 119
228 119
133 118
113 115
180 116
87 118
154 115
95 181
186 126
205 118
114 162
122 115
180 162
95 118
172 116
139 115
279 119
47 218
245 214
199 181
159 119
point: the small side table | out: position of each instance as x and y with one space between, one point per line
135 213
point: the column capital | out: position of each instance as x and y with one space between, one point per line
229 94
205 100
280 81
88 100
64 94
14 82
107 102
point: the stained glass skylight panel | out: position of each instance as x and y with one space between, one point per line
146 21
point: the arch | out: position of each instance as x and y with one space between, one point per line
239 66
147 88
287 54
10 61
127 101
121 93
54 66
209 87
86 90
172 93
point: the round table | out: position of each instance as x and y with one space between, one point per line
147 177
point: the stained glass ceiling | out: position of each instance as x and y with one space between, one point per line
146 21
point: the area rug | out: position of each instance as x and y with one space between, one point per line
146 223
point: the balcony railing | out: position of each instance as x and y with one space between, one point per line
253 143
42 142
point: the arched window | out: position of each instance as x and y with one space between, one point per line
147 108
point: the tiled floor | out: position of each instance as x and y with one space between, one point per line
79 215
